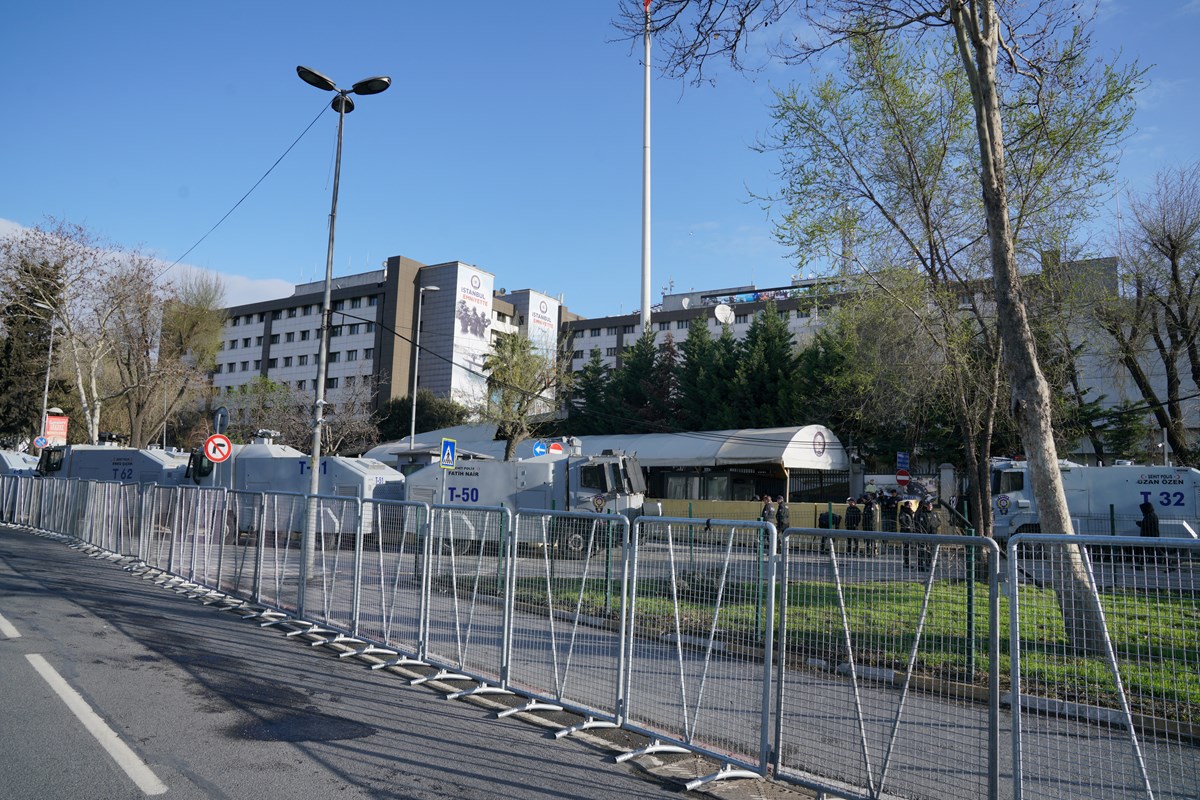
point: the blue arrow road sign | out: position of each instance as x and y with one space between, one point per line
539 448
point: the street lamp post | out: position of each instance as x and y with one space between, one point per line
343 105
412 429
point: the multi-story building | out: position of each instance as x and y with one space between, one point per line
374 328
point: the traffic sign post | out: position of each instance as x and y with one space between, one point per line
902 477
217 448
40 442
539 448
449 453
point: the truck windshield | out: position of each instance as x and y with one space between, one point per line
51 460
591 476
1008 482
633 476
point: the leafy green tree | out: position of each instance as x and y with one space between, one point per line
1130 434
664 378
767 372
433 413
523 387
631 392
588 411
698 392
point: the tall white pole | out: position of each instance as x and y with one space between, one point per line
46 387
645 316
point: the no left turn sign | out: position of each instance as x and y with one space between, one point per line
217 448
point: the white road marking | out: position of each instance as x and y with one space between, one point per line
8 630
120 752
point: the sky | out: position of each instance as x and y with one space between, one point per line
511 140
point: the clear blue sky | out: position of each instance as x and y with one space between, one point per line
510 139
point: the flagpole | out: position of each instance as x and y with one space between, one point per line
645 316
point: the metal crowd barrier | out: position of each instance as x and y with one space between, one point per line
820 657
887 664
1105 647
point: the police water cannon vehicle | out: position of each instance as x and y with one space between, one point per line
109 461
13 462
1101 500
263 466
608 483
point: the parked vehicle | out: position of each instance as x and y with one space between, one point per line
608 483
15 463
110 462
1101 500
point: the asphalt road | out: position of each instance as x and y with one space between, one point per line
210 706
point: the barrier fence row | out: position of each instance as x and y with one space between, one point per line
860 665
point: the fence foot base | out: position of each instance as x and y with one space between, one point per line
587 724
657 746
307 627
339 638
532 705
367 651
402 661
481 689
442 675
271 617
725 772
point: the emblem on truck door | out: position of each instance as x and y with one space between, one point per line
598 502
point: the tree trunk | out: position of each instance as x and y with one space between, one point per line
976 28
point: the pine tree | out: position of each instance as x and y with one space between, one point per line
767 373
588 411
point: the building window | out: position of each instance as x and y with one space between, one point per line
302 360
610 351
232 366
741 319
249 318
246 342
331 383
277 314
338 305
681 324
274 338
612 331
258 341
245 366
290 336
356 302
219 368
262 316
335 357
234 322
336 330
301 384
272 363
352 355
257 364
233 344
353 329
595 331
304 335
291 312
370 328
349 381
627 329
307 311
577 354
664 326
368 353
287 361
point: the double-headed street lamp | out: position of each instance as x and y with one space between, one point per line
343 105
412 430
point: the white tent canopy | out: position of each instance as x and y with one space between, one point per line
803 447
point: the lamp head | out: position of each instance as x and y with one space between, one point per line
314 78
379 83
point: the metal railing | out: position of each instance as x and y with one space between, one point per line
858 664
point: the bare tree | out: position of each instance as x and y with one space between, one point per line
1157 315
524 388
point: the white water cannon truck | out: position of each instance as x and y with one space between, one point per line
608 483
1101 500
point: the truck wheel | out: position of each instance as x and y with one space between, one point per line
571 539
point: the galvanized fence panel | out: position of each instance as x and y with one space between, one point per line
469 556
160 527
888 664
567 610
392 600
701 608
202 520
280 555
331 570
9 488
1105 645
240 561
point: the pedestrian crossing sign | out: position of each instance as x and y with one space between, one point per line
449 453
